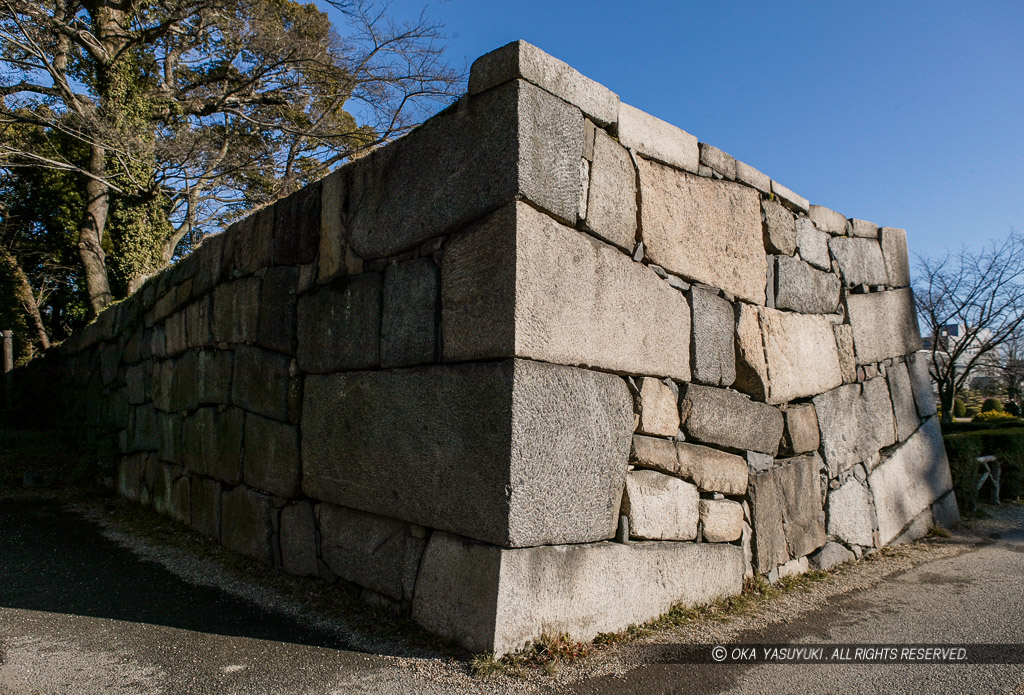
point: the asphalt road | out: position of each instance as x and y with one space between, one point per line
81 614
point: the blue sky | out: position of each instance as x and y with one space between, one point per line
908 114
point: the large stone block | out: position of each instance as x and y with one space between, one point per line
611 206
271 456
298 540
800 435
213 443
251 242
850 514
752 177
523 285
713 355
901 391
205 507
863 228
236 308
831 555
856 420
786 502
779 228
246 524
277 309
197 322
660 507
657 139
513 141
522 60
910 480
262 383
790 198
710 469
339 325
492 599
659 408
884 325
827 220
721 521
717 160
860 261
731 420
894 251
297 227
411 307
924 395
790 356
704 230
484 450
372 551
812 244
799 287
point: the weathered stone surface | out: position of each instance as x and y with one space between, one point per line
411 306
721 521
704 230
945 513
799 355
261 382
731 420
779 228
660 507
522 60
177 333
137 381
513 141
490 599
297 226
657 139
129 476
339 326
812 244
714 353
252 242
611 203
277 309
847 356
212 377
298 540
860 261
659 409
489 453
884 325
271 456
333 259
788 517
856 420
197 322
144 434
863 228
172 444
789 198
799 287
827 220
850 514
710 469
521 284
236 311
718 160
372 551
205 507
917 528
752 177
924 395
897 260
180 502
831 555
246 524
800 434
910 480
901 391
213 443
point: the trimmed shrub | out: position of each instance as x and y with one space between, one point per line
959 408
1012 408
992 405
970 412
1006 443
991 415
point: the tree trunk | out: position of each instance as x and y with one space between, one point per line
947 396
90 235
26 297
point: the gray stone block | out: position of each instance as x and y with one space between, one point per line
205 506
847 356
277 309
799 287
851 514
897 260
492 599
711 470
945 512
129 476
236 311
717 160
721 521
145 429
514 141
827 220
197 322
659 408
779 228
731 420
246 524
297 226
411 307
137 381
660 507
800 434
812 244
789 198
611 203
787 508
863 228
479 449
177 333
271 461
298 540
213 443
339 325
262 383
752 177
884 325
705 230
713 355
831 555
508 289
856 420
172 443
252 242
657 139
924 394
212 377
860 261
907 482
522 60
901 391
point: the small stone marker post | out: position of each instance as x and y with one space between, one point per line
8 366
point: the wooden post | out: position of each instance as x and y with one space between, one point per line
8 368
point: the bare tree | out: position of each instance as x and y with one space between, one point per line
972 303
192 111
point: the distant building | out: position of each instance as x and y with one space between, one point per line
986 373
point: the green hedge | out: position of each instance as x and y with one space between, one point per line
1006 443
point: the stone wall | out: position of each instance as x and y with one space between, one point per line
546 364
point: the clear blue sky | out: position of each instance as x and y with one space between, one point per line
908 114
